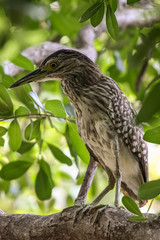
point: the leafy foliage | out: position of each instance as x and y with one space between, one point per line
56 107
59 155
23 62
131 206
111 23
149 190
14 170
38 126
14 133
96 12
44 182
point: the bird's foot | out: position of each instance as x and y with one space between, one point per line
88 208
80 208
71 207
100 208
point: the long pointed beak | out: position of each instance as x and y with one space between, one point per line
34 76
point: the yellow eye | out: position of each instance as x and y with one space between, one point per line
53 65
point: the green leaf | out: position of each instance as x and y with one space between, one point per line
3 131
152 135
32 130
78 142
15 137
131 206
1 142
150 105
98 16
25 147
23 62
113 4
44 182
21 111
14 170
6 106
91 11
56 107
111 23
149 190
46 168
59 155
138 218
7 81
132 1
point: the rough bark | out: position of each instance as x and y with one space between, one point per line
112 223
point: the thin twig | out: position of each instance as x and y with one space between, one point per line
34 115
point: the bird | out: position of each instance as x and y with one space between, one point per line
105 119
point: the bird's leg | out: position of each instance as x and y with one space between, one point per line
103 193
118 173
82 195
100 208
109 187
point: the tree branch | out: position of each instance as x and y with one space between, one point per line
113 223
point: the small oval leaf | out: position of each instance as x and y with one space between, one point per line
78 142
25 147
56 107
138 218
23 62
32 130
152 135
111 23
15 137
14 170
98 16
3 131
91 11
21 111
131 206
44 182
46 168
59 155
114 4
149 190
6 105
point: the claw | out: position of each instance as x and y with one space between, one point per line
100 209
76 213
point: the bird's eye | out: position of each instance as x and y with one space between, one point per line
53 65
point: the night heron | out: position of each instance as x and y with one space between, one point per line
104 117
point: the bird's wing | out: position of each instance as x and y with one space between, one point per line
122 116
125 125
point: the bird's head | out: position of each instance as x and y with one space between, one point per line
61 65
